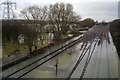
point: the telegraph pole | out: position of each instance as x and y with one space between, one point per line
8 12
119 9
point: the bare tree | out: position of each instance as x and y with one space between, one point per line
35 13
61 18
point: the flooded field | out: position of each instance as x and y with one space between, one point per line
103 62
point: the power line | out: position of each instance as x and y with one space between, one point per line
8 12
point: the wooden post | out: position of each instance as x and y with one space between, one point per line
56 65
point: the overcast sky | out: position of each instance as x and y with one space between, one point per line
97 9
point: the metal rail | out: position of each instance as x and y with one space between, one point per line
66 46
87 61
89 57
86 38
78 61
48 59
101 42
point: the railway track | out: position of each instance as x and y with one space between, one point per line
44 58
94 35
88 39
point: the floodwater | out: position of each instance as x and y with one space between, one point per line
26 62
103 64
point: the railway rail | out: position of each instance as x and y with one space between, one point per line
89 40
102 35
54 54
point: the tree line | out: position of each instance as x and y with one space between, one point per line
57 21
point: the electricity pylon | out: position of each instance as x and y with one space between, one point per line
8 12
